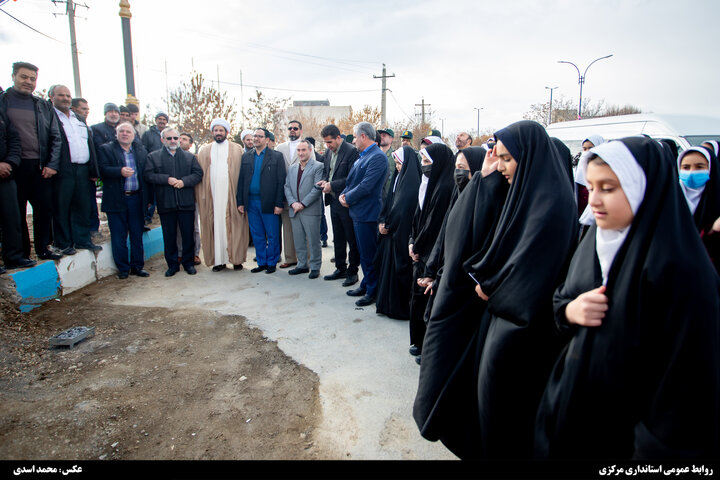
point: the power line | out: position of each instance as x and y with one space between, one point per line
33 29
329 59
398 104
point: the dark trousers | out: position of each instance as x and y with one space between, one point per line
366 237
31 187
265 231
323 228
72 207
171 222
10 233
344 234
122 224
94 216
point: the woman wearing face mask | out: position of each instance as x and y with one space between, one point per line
446 402
392 264
433 201
640 377
700 183
517 275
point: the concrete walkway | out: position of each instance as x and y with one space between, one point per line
367 378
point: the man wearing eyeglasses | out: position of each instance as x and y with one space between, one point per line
175 172
223 229
289 151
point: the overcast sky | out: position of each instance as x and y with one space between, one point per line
457 55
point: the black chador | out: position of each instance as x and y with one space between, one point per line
392 262
427 222
645 382
527 259
446 402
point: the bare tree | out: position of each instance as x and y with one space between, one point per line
193 106
565 109
265 112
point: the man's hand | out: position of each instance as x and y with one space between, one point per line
480 293
5 169
278 210
327 188
126 172
48 172
172 181
297 206
716 225
382 229
179 184
343 202
588 309
241 208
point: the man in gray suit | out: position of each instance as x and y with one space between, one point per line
304 199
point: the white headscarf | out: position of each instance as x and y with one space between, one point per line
693 195
423 180
595 140
715 146
632 181
433 139
398 155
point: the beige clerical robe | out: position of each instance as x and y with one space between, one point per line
236 223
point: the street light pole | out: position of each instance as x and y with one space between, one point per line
581 79
550 113
478 119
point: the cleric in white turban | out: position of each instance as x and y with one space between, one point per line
224 230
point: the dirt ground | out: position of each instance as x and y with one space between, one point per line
153 383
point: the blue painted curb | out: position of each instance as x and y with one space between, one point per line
41 283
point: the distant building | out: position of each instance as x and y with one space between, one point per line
320 110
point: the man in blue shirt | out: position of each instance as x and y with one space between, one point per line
363 196
261 192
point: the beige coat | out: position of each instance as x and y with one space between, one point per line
235 222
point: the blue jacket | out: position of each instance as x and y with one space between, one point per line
363 188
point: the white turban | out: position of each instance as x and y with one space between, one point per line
245 133
222 122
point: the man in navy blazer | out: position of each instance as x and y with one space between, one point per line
363 196
121 163
261 191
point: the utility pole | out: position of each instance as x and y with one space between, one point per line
383 108
70 12
422 105
550 114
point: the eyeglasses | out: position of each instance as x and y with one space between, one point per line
293 128
259 136
172 138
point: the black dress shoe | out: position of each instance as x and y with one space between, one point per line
20 263
417 359
314 274
324 244
270 270
237 267
351 279
332 260
48 255
358 292
139 272
298 270
218 268
68 251
365 301
91 247
123 275
259 268
336 275
191 270
170 272
414 350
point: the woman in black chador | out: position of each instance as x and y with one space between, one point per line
640 377
526 261
392 263
434 195
446 402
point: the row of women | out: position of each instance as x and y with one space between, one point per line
546 339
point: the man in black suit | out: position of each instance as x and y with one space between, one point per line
174 173
261 191
10 233
339 158
78 170
121 163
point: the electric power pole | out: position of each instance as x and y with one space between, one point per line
383 109
423 105
70 12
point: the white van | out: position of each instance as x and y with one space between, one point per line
684 130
